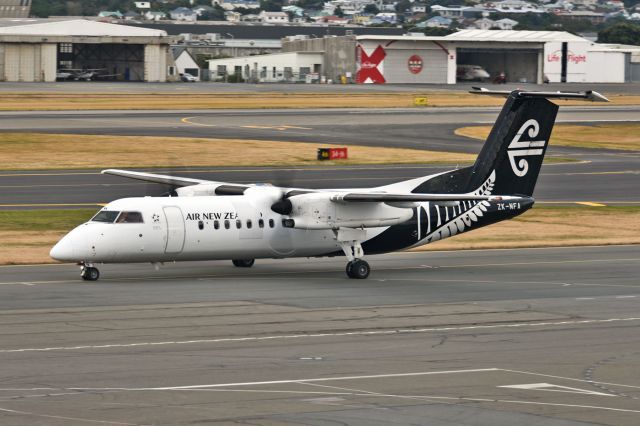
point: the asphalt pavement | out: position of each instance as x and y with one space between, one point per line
492 337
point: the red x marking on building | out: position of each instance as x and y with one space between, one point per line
369 66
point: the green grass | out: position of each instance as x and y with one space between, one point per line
43 220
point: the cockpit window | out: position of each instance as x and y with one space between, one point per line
130 217
105 216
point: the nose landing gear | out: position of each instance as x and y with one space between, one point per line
89 273
243 263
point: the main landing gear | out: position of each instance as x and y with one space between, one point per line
349 240
358 269
89 273
243 263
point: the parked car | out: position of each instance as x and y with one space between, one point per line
188 78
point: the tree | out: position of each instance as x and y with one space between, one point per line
437 32
338 12
403 5
623 33
271 5
372 9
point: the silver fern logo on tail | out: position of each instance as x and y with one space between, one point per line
518 148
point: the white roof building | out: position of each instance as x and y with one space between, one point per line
34 50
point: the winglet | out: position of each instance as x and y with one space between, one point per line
589 95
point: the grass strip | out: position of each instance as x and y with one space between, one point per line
28 236
605 136
37 151
28 101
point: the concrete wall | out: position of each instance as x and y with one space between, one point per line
339 54
340 57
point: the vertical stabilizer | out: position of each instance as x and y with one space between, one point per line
516 145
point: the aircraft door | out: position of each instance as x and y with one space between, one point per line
175 229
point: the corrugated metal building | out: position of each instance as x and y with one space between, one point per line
34 50
522 56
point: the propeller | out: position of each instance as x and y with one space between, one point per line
284 179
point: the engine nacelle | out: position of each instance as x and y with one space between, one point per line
317 211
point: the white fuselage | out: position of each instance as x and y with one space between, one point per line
194 228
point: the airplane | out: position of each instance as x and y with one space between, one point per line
471 73
208 220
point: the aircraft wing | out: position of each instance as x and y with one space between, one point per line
222 188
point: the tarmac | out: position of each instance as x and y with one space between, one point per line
491 337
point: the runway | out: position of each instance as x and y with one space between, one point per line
492 337
612 175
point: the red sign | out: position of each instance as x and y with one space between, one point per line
415 64
337 153
368 71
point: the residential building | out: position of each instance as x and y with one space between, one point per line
273 17
435 22
153 15
183 14
505 24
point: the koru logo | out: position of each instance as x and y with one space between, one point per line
518 148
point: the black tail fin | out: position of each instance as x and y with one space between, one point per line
516 145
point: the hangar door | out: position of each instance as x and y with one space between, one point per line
415 66
108 61
519 65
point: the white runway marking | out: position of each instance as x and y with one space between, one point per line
47 416
321 335
548 387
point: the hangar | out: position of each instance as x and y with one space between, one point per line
34 50
523 56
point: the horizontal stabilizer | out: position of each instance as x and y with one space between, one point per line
373 197
588 95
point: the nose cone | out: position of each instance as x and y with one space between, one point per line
64 250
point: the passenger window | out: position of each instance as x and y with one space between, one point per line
271 223
249 224
216 224
226 224
105 216
260 223
238 223
200 225
130 217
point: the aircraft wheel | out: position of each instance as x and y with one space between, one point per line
90 274
243 263
349 269
358 269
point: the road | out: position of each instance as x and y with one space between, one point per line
492 337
